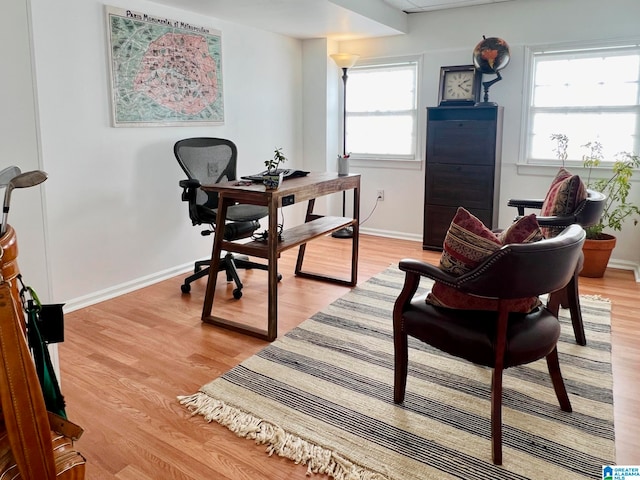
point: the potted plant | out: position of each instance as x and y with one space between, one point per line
615 184
272 178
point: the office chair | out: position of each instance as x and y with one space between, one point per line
496 338
207 161
586 213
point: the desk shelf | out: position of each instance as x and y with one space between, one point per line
292 237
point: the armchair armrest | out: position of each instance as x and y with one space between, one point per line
557 221
426 270
521 204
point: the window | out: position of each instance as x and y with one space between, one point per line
381 111
588 95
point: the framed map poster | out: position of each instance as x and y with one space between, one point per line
163 72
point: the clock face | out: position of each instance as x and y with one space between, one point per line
459 86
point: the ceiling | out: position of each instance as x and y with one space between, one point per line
416 6
333 19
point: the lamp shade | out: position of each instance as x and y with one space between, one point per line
345 60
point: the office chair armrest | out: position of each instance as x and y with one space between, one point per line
521 204
189 183
189 190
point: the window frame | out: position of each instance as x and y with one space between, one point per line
529 111
394 160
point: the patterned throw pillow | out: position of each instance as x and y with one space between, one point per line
525 230
467 244
564 195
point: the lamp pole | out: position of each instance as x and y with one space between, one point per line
344 61
344 112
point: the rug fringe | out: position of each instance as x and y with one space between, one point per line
597 297
278 441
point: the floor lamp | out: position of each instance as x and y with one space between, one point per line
345 61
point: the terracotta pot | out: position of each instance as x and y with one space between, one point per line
596 255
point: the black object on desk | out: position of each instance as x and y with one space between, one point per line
288 173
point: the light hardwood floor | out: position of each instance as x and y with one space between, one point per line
125 360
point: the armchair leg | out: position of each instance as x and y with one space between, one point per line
573 300
558 383
496 416
401 356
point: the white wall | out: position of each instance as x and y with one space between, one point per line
19 144
113 202
447 38
110 218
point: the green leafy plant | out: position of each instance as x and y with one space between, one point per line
615 184
278 158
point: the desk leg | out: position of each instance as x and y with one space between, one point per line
273 239
356 236
302 248
215 257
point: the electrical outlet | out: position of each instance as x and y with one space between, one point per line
380 195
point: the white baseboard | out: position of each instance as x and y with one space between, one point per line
142 282
625 265
117 290
391 234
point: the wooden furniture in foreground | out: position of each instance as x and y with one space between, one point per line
30 446
291 191
463 159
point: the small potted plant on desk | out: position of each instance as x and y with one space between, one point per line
615 185
272 178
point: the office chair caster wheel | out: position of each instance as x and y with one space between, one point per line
237 294
185 287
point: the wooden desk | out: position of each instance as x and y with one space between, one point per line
291 191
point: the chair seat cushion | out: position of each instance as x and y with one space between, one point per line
530 336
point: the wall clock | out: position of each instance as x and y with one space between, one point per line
459 85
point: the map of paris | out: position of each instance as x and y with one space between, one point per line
163 72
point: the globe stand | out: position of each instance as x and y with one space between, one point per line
486 86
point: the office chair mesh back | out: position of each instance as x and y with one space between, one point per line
208 163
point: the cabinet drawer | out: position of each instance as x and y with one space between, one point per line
469 186
437 220
461 141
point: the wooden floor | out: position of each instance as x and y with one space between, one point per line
125 360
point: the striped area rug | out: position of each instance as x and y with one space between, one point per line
322 395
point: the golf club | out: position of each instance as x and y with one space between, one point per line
23 180
8 174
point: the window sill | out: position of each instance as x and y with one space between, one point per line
386 163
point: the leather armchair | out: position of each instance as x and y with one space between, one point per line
586 214
497 339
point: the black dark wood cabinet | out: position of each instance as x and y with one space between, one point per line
462 167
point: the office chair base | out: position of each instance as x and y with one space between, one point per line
346 232
230 264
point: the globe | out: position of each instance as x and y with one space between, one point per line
491 54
